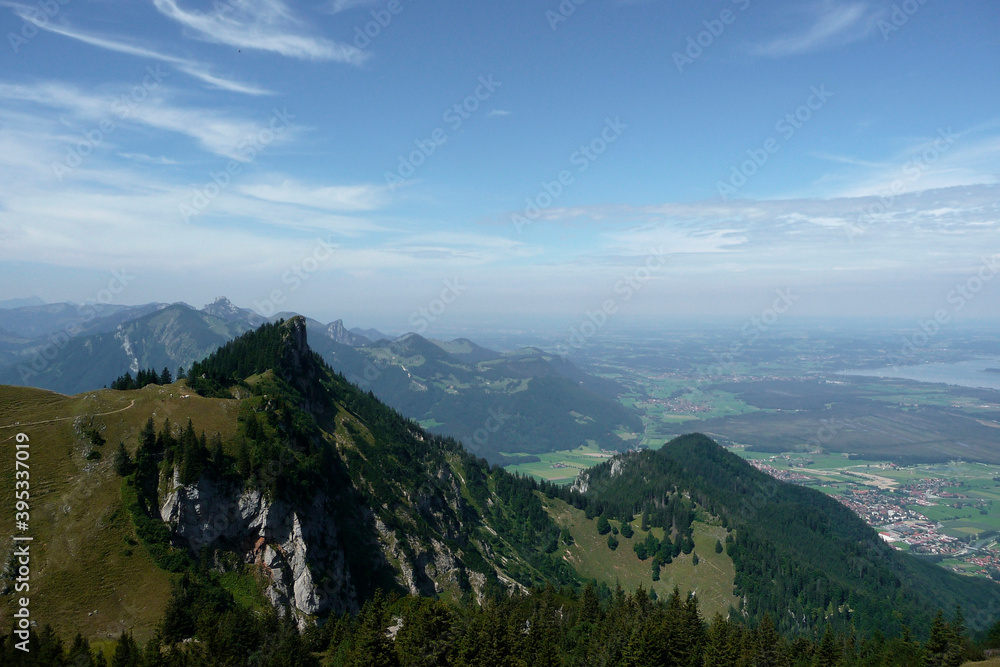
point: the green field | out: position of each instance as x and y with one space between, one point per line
561 467
712 579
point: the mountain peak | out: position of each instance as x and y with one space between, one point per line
340 334
296 327
226 310
221 305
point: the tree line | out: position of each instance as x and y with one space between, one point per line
545 627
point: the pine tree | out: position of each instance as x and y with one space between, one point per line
218 454
603 525
126 652
122 461
147 437
243 466
828 653
718 547
590 607
612 542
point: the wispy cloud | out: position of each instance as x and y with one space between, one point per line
264 25
830 24
497 113
337 6
332 198
192 68
944 160
214 130
147 159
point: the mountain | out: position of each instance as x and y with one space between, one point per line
467 351
306 496
528 401
168 337
339 334
20 303
312 496
225 310
374 335
68 319
799 555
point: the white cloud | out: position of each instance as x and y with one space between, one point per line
213 130
946 160
337 6
192 68
832 25
264 25
332 198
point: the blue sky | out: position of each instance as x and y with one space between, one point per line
526 162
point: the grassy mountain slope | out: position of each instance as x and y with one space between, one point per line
85 555
799 555
711 579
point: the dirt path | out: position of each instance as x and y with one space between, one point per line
62 419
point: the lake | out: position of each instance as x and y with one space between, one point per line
962 373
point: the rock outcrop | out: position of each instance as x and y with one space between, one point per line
270 534
342 335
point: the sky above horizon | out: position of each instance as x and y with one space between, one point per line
395 162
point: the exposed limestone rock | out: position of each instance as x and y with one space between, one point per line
269 533
581 483
617 465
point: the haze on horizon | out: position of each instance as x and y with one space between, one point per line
355 158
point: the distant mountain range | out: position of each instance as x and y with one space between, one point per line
528 401
525 401
20 303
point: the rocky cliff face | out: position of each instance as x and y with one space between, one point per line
287 548
300 555
340 334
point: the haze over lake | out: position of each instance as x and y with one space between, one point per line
962 373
